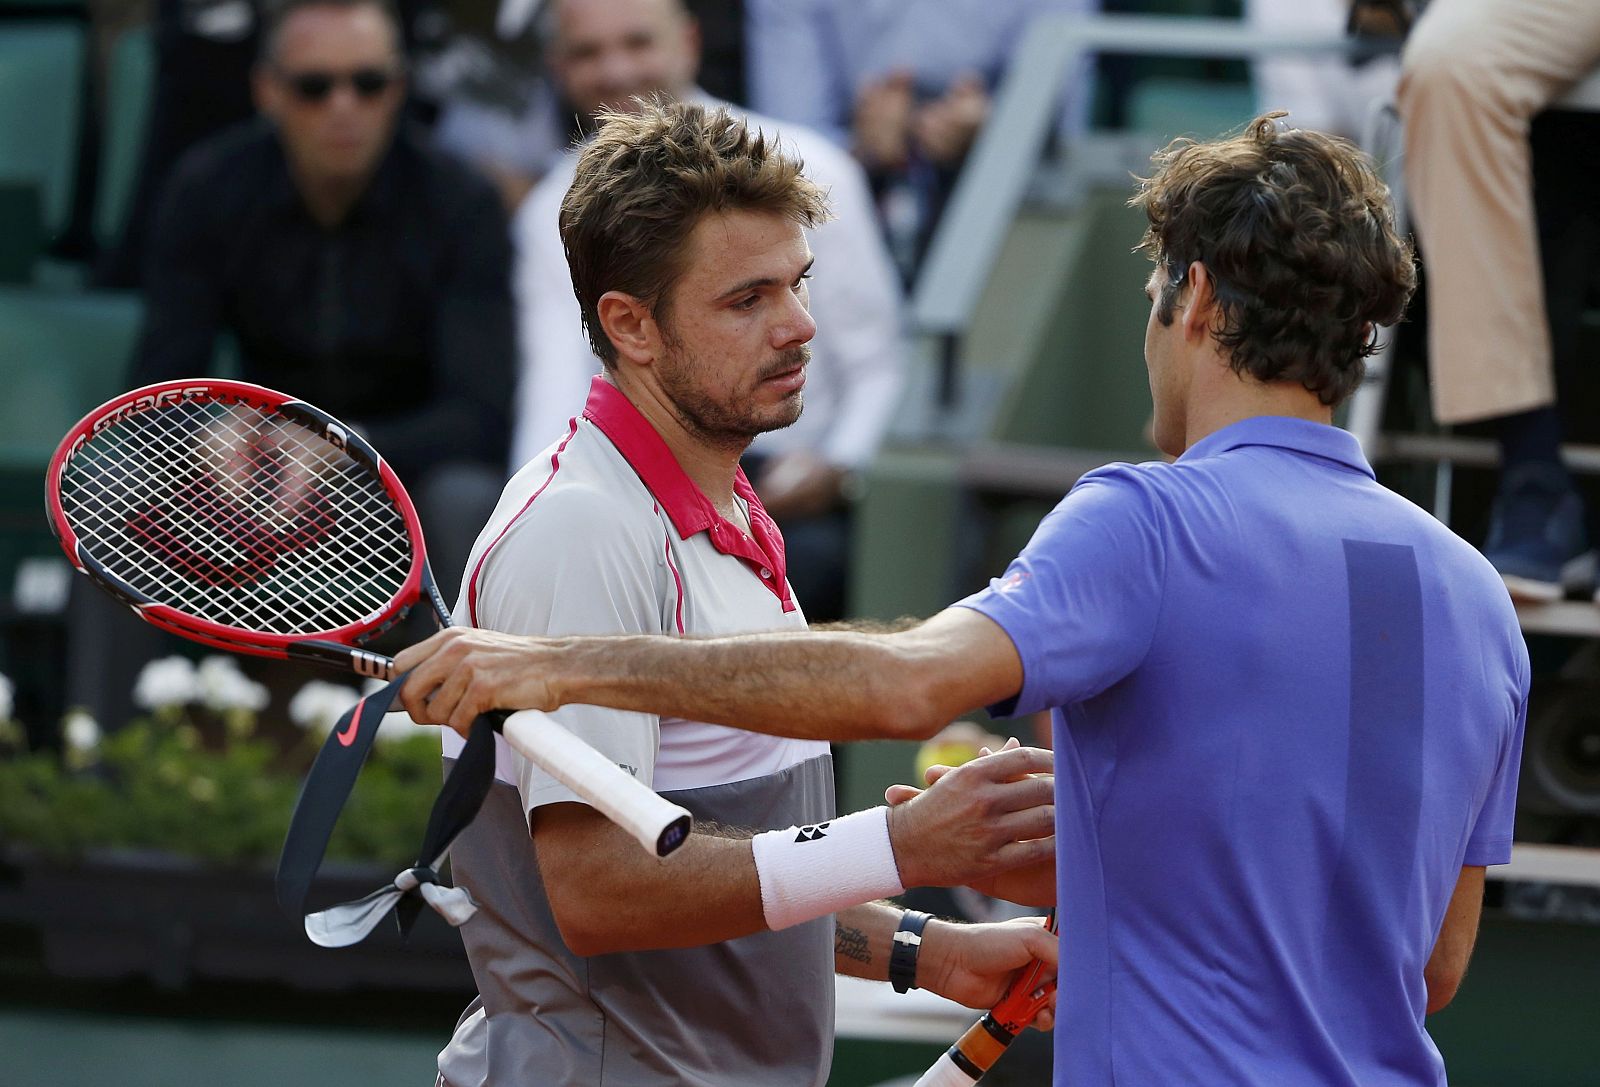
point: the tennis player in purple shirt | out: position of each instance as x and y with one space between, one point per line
1288 704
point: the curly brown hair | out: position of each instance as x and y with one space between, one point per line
1298 234
643 183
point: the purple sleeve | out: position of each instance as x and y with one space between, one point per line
1082 600
1490 842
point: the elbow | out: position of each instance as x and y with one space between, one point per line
582 928
909 715
1442 986
586 918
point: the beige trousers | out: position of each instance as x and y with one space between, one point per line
1473 75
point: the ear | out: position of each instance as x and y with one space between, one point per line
1200 309
629 326
266 91
693 43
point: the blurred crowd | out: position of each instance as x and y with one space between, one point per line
363 198
357 200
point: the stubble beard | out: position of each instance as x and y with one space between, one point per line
728 426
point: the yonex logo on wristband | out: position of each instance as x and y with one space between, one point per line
818 869
811 832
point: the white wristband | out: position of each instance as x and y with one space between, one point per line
812 871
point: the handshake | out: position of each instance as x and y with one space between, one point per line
987 822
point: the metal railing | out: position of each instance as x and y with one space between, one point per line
994 183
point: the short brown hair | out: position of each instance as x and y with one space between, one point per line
1298 234
643 183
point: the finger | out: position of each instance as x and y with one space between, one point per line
414 696
1046 1019
1011 743
935 772
421 688
412 656
1013 763
467 708
1020 854
1042 945
899 794
445 703
1024 825
1024 793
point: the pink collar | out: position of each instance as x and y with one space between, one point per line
690 510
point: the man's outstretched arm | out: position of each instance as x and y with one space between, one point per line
826 685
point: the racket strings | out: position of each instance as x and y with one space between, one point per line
239 516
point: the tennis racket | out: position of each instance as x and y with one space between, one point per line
247 520
976 1051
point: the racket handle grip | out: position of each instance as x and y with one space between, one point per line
973 1054
659 825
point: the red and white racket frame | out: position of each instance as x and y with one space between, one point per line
658 824
339 646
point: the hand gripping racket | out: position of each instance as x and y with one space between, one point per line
975 1052
247 520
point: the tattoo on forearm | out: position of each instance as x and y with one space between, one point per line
722 830
851 943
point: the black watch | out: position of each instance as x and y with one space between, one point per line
903 952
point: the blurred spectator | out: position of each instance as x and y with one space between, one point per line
497 108
503 113
205 50
906 85
1329 93
604 53
352 265
508 125
1474 74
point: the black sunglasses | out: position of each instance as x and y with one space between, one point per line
317 86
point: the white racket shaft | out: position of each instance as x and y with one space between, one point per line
658 824
944 1073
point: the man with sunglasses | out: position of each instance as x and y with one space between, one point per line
350 263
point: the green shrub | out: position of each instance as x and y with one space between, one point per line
223 795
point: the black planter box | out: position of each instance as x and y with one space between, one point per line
126 914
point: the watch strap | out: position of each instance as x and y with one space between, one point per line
904 950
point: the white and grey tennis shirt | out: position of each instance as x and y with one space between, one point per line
605 534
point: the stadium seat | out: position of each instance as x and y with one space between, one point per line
41 92
21 232
1168 107
60 355
130 83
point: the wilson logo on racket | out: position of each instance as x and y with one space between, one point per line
166 530
179 498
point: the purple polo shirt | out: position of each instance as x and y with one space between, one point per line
1288 709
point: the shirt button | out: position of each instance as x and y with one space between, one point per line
765 572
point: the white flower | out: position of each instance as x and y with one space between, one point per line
80 730
8 704
317 706
222 687
170 681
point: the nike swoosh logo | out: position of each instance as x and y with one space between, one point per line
347 735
